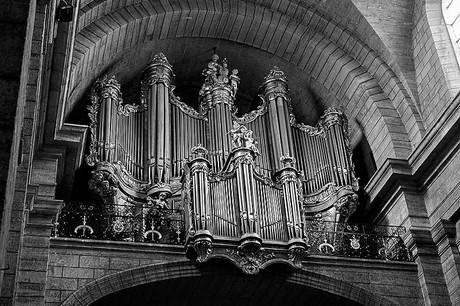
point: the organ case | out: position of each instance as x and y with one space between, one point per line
250 181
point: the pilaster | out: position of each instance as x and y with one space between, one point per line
444 234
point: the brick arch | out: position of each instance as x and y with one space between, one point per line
308 46
175 271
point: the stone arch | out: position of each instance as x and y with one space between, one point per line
358 77
310 13
175 271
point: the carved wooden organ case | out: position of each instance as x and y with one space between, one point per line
248 184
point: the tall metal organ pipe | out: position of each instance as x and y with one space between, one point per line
217 96
156 86
275 89
106 97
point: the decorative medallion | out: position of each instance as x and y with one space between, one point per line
354 243
250 261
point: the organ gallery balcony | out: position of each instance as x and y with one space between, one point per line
148 227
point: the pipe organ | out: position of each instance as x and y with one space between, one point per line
248 184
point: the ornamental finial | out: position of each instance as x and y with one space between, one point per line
287 160
275 73
160 58
199 151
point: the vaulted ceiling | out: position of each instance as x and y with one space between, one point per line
330 52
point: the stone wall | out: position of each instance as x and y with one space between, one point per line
73 265
437 71
13 22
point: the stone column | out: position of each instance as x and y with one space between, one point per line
34 252
444 235
420 242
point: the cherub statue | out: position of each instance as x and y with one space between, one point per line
157 205
242 137
223 73
212 70
234 79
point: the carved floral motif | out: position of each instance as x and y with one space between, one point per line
250 261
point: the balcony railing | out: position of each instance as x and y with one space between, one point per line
167 226
121 223
357 240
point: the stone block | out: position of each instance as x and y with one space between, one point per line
59 283
30 289
83 282
32 264
52 296
123 263
55 271
94 262
8 285
65 294
98 273
77 272
32 276
64 260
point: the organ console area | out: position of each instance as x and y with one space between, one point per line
248 184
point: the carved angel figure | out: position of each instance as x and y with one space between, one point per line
157 204
211 72
242 137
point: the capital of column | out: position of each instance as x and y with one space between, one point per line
332 116
106 88
275 85
199 163
158 71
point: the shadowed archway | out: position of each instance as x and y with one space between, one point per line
219 282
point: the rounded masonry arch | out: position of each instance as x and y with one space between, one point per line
174 272
355 75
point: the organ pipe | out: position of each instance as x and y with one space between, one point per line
105 98
288 177
275 89
243 154
217 96
156 84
